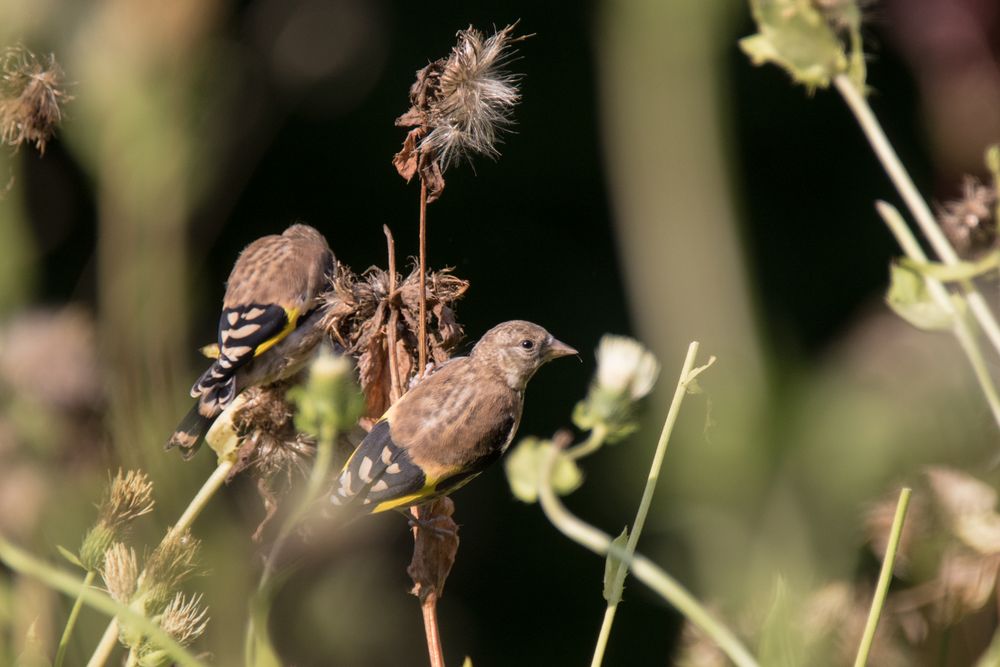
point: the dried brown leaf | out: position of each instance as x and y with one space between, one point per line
435 545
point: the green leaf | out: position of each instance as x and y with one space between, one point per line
794 35
70 556
954 272
612 567
524 469
34 651
467 662
909 298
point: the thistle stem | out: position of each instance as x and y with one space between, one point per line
214 482
395 390
618 584
644 569
71 621
435 650
422 328
883 579
960 327
886 154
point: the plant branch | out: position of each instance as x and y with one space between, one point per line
644 569
617 586
422 328
71 621
960 327
859 106
214 482
435 650
883 579
27 565
395 389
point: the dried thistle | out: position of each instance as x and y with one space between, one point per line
128 497
31 97
969 221
363 315
185 619
435 545
172 561
459 107
120 572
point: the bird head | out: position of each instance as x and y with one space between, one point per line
518 349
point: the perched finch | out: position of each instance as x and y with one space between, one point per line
267 330
450 426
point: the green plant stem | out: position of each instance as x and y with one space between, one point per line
71 621
27 565
886 154
883 579
617 585
590 445
644 569
256 648
214 482
960 327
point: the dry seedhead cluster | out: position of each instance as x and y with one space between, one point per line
459 106
31 98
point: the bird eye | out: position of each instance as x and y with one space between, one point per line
527 344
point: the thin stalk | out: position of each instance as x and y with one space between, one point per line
395 389
255 641
435 650
960 327
214 482
590 445
644 569
422 328
859 106
617 586
71 621
883 579
27 565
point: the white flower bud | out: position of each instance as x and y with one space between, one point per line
626 367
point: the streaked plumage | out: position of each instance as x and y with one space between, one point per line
268 324
451 426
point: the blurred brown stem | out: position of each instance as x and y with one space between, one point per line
395 388
422 330
435 543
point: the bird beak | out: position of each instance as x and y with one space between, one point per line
557 348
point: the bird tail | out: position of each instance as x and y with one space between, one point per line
215 389
190 432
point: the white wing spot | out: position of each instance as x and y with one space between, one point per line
242 332
236 352
380 485
254 313
365 470
345 484
233 318
386 455
393 469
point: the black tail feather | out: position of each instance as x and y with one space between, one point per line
190 432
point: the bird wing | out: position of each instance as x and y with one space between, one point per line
381 474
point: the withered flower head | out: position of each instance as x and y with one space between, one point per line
378 326
128 497
171 562
185 619
459 106
120 572
969 221
31 97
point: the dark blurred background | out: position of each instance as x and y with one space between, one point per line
656 184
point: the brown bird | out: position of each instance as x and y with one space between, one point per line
450 426
267 330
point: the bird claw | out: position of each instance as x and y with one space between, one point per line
438 525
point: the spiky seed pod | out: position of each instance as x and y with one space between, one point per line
31 97
173 561
129 495
185 619
459 107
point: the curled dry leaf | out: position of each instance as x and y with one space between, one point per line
434 549
361 313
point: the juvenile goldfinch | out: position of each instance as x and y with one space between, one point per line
268 325
451 426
